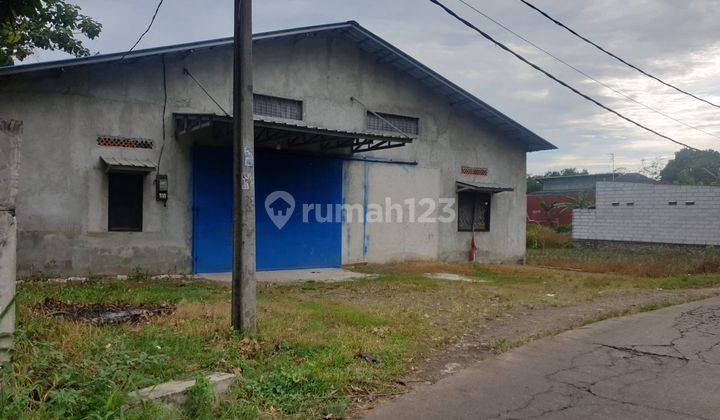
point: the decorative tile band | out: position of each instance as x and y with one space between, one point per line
111 141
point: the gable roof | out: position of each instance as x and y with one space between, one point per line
383 51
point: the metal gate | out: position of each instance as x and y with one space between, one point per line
285 186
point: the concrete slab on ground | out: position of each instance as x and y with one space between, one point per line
453 277
323 275
175 392
663 364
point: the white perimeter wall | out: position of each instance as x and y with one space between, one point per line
651 218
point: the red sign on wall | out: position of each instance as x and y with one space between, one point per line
469 170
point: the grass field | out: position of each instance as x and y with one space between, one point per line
303 361
650 263
542 237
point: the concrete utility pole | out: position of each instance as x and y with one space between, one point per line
10 138
243 274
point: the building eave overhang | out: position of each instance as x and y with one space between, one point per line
294 134
481 187
121 164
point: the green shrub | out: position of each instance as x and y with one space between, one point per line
200 399
541 237
563 228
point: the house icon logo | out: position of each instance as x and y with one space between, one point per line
279 206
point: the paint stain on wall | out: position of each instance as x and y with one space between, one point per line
348 230
366 188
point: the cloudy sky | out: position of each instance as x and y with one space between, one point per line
679 41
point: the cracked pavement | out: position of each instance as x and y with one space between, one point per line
663 364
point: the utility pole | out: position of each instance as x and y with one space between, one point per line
612 158
243 270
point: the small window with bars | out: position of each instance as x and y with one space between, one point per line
385 122
272 106
473 212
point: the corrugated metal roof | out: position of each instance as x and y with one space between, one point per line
123 164
383 51
482 187
203 120
370 135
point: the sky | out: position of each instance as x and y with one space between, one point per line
678 41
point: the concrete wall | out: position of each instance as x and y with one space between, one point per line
10 138
650 218
62 210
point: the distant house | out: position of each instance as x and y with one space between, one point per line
656 214
561 189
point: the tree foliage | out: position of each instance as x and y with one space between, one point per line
533 185
26 25
575 202
653 168
567 172
693 167
548 207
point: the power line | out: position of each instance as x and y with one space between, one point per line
187 72
557 22
164 110
538 68
560 60
144 33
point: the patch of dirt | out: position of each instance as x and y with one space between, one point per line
516 327
103 314
453 277
413 267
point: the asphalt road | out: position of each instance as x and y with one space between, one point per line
663 364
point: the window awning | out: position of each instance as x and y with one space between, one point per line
481 187
116 164
286 134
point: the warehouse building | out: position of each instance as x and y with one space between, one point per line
126 161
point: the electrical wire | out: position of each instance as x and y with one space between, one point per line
187 72
549 75
406 135
144 33
562 25
560 60
164 109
